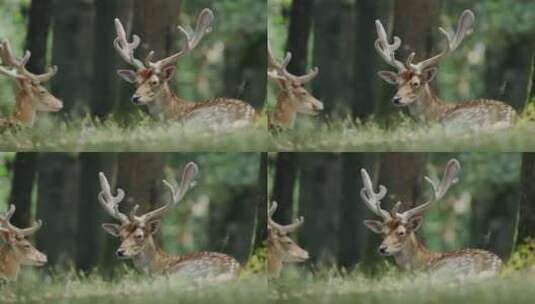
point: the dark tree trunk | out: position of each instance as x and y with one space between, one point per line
352 233
57 204
366 58
90 215
72 51
526 223
319 200
298 35
333 53
261 207
24 171
22 187
106 61
283 188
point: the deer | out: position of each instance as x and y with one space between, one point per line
398 230
293 97
152 84
137 237
32 96
281 248
17 250
414 91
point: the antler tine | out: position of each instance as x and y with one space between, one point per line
283 228
191 170
387 50
272 209
204 27
294 226
12 67
126 49
464 28
109 202
308 77
5 222
439 190
371 198
276 69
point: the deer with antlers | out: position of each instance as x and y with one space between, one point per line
281 248
17 250
413 81
293 97
137 237
32 97
151 79
398 230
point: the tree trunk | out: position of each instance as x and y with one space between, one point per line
106 61
333 53
283 188
22 187
24 171
298 35
319 200
72 51
261 207
57 203
90 214
526 223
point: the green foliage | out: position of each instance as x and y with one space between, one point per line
523 258
257 262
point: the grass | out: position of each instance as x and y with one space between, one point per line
394 287
407 136
145 136
131 288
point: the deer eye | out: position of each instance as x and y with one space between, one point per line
415 84
139 237
153 83
26 246
401 233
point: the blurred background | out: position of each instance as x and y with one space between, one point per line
492 206
77 36
224 212
496 62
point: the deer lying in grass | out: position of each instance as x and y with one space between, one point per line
137 241
398 230
32 97
17 250
293 98
414 85
281 248
153 91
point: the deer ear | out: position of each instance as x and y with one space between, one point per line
154 226
429 74
375 226
112 229
416 222
127 75
388 76
168 72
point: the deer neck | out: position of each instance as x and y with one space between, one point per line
274 263
167 104
285 112
428 107
151 259
414 256
24 111
9 263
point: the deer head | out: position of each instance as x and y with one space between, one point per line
411 79
280 243
150 77
135 231
396 227
31 84
15 239
294 86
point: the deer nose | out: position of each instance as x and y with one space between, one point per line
136 99
120 253
396 100
382 250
